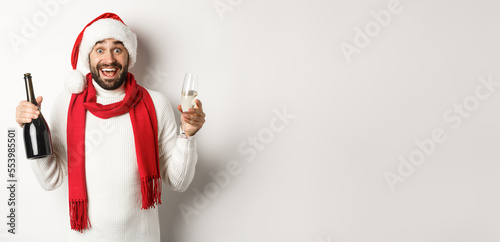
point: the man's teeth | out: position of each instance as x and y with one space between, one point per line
108 69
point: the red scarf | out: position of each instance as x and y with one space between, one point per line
139 105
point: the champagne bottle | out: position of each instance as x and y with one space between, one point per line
37 140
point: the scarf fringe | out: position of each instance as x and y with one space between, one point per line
151 191
78 215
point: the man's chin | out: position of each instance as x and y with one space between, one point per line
109 81
109 84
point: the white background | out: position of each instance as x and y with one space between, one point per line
320 178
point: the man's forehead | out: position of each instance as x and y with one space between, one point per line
113 41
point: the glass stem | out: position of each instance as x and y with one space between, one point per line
182 128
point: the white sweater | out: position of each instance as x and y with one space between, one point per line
113 182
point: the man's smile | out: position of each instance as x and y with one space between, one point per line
109 72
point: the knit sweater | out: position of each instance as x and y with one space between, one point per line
112 175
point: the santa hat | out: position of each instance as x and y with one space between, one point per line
106 26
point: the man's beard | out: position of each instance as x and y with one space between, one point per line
109 84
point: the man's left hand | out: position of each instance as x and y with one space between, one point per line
193 119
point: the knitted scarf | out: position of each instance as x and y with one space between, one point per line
138 103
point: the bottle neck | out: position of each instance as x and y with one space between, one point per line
30 92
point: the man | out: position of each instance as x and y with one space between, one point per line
114 140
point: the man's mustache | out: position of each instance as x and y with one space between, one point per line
116 65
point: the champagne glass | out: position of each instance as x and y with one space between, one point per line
189 93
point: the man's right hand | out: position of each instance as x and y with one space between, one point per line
26 111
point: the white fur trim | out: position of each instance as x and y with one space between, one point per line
107 29
75 82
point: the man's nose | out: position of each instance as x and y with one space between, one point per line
109 57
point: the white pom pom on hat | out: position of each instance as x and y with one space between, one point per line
106 26
75 82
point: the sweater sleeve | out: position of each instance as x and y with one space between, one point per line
177 155
51 170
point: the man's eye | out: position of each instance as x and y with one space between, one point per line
117 50
99 51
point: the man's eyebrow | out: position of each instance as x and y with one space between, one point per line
116 42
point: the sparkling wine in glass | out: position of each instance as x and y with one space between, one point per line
189 93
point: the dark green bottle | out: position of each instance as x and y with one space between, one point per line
37 140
